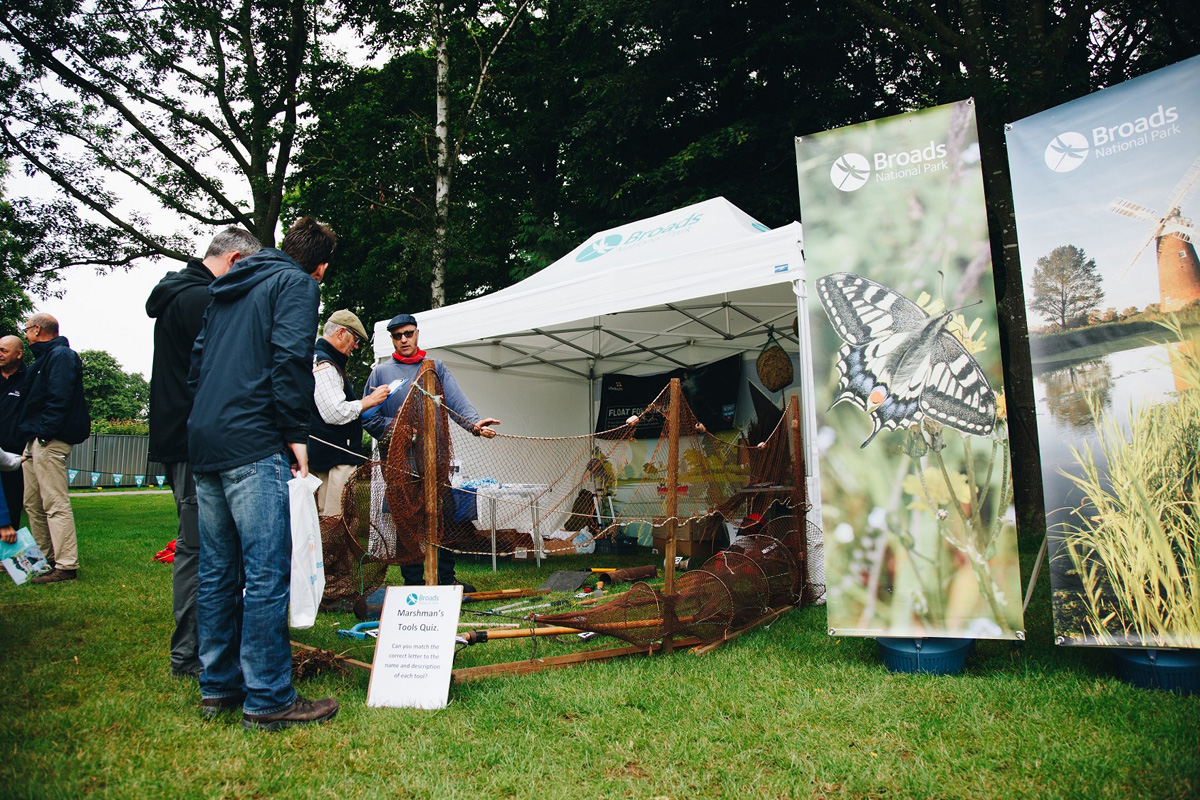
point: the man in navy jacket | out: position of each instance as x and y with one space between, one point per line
53 418
177 305
12 389
252 375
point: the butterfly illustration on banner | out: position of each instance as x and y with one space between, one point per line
899 364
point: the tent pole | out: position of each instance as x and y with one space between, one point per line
808 408
428 381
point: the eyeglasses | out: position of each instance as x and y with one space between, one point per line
404 334
28 328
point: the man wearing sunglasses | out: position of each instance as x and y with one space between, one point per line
404 366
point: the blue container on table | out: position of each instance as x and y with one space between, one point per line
465 508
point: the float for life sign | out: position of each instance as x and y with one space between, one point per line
414 655
916 501
1104 189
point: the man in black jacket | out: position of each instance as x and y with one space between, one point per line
53 417
252 374
12 389
177 306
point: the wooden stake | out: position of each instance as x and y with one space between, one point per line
343 659
468 674
672 504
765 619
428 381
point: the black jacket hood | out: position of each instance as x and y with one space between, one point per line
194 274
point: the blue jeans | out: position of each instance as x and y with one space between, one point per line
246 542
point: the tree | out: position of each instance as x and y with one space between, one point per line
191 106
17 274
109 391
1066 285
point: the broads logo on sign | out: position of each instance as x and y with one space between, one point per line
606 243
1070 149
852 171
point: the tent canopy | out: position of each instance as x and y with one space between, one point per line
680 289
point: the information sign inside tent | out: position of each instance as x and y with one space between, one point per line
915 495
1103 187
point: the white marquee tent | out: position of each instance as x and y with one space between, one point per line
681 289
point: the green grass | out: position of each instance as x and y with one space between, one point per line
786 712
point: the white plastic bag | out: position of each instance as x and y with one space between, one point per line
308 564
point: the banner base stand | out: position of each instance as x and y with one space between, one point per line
1168 670
932 656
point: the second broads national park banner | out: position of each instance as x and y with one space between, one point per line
916 499
1103 187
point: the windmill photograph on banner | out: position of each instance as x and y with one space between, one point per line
1178 270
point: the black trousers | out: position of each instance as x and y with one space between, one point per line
13 486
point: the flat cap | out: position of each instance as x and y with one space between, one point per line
350 321
400 320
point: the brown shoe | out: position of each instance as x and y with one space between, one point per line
301 712
212 706
56 575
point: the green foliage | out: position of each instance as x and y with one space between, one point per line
18 275
189 107
112 395
781 712
127 427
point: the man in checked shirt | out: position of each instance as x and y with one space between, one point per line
335 430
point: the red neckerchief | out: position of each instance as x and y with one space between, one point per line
415 358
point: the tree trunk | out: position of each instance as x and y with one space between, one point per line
441 213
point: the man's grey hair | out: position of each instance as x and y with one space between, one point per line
47 323
233 239
331 328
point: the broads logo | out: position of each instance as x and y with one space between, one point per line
1070 149
852 171
1066 151
606 243
415 598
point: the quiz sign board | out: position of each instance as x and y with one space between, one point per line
415 652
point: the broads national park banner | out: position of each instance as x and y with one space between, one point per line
1103 187
915 493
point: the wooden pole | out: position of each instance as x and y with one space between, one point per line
428 382
672 508
800 492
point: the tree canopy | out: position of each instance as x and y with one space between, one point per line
110 392
120 105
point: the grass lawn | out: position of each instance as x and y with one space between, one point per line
785 712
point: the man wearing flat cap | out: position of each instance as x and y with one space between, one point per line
404 365
335 430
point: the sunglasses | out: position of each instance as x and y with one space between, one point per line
404 334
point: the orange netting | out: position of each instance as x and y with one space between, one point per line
436 483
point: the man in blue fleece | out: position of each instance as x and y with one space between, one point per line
404 366
251 372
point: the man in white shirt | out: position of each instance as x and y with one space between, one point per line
335 430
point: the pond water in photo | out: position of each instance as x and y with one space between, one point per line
1067 393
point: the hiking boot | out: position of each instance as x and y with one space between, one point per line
301 712
56 575
212 706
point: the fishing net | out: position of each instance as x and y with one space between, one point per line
433 483
733 588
